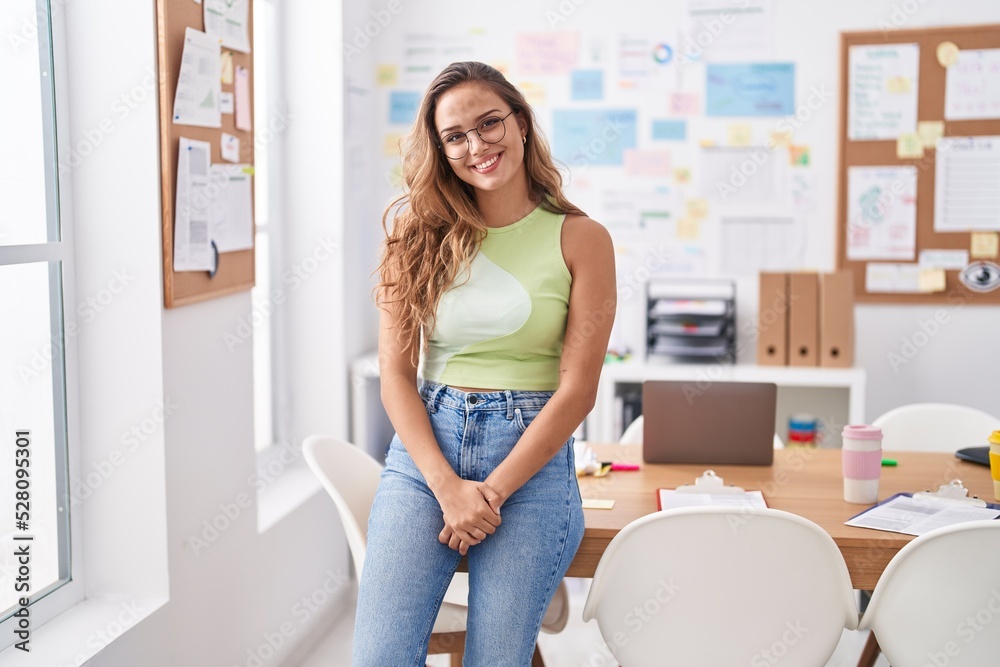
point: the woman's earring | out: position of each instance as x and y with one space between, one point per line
524 138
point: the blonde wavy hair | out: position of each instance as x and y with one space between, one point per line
436 227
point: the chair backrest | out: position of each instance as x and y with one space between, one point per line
935 427
633 435
938 601
351 477
722 586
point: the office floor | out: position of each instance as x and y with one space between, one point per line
579 645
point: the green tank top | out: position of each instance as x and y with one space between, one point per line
504 327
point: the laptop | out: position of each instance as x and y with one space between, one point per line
710 423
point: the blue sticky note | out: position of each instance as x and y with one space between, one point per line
588 84
670 130
750 89
584 137
403 105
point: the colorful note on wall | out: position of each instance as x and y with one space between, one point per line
881 213
403 106
882 91
669 130
547 53
646 163
750 89
972 86
587 84
584 137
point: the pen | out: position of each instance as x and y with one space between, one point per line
624 466
889 463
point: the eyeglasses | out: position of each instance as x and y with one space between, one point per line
491 130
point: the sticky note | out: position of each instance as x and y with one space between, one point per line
740 134
696 209
688 229
227 103
669 130
798 155
682 175
931 280
226 62
898 84
947 54
984 245
587 84
230 148
390 144
780 139
929 132
403 106
597 504
534 93
683 104
909 145
387 75
706 143
646 163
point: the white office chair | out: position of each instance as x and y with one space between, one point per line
722 586
351 478
633 435
938 601
935 427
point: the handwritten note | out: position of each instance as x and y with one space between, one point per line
882 91
547 53
972 87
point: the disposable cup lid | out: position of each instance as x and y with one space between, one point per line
995 438
862 432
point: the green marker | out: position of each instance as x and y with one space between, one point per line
889 463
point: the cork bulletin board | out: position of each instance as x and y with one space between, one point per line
930 107
235 270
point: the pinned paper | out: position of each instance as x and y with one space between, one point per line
954 260
682 175
547 53
403 106
587 84
683 104
909 145
230 148
696 209
227 67
387 75
669 130
740 134
798 155
984 245
947 54
646 163
930 131
931 280
242 99
226 104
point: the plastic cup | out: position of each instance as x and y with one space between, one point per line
862 463
995 462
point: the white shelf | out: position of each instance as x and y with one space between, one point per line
600 422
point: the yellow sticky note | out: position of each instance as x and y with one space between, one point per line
696 209
688 229
597 504
390 146
929 132
387 75
226 61
898 84
248 170
780 139
682 175
706 143
798 155
947 54
984 245
908 145
931 280
740 134
533 92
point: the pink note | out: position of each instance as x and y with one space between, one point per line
646 163
242 98
683 104
545 53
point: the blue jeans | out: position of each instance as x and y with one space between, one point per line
513 573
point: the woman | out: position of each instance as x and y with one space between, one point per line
512 290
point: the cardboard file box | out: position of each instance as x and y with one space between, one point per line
772 320
836 319
803 319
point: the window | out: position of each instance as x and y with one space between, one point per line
35 267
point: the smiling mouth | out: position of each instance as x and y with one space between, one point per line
487 164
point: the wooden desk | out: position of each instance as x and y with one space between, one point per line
807 482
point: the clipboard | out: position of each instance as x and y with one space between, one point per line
951 500
708 490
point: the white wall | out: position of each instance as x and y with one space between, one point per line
240 592
947 368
